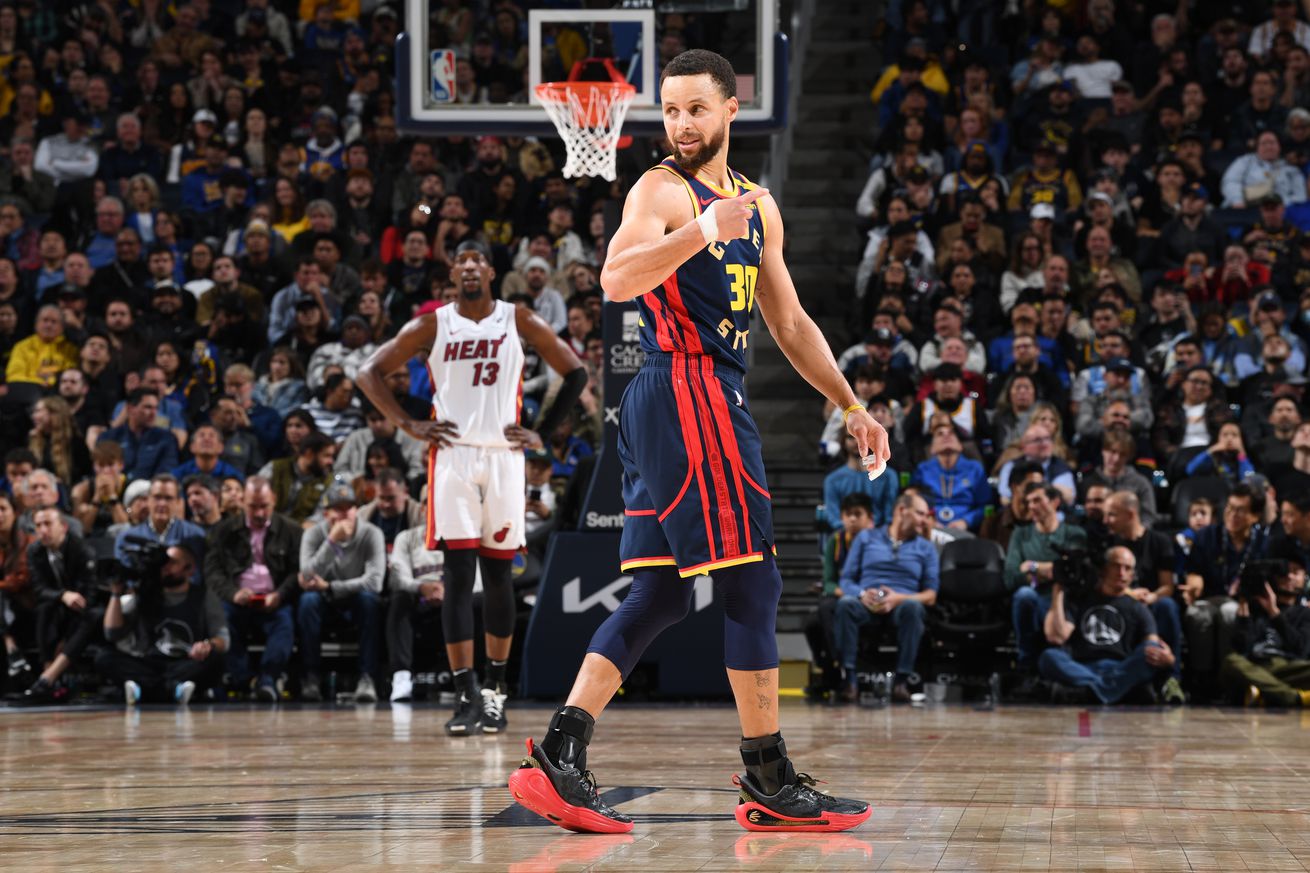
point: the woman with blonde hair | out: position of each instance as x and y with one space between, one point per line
1042 413
57 442
143 203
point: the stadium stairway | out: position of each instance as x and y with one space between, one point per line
833 132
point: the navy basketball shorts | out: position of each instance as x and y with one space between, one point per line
693 474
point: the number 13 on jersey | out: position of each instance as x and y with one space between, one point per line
743 286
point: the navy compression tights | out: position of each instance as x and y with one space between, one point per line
659 598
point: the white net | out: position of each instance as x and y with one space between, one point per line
589 117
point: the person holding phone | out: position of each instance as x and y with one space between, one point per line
251 566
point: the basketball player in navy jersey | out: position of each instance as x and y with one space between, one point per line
699 246
476 479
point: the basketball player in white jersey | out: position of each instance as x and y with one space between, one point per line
476 481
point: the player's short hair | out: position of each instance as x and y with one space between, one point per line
472 245
697 61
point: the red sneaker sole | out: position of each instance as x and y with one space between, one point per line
754 817
531 788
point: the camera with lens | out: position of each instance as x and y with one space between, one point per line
142 564
1076 571
1256 574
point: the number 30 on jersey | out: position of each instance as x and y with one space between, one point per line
743 286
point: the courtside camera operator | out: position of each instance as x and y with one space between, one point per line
168 636
1270 661
1105 640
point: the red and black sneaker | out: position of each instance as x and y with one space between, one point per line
565 797
796 807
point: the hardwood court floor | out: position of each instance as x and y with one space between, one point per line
231 788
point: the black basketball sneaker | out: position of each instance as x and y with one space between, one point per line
567 798
468 713
796 807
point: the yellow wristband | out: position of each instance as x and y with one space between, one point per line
846 413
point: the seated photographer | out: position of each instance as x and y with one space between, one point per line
417 591
167 635
165 523
890 575
1270 661
343 561
1102 639
1212 568
63 570
1153 580
1030 566
251 564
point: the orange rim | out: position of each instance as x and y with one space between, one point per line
588 111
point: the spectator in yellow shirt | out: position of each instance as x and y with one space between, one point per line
41 357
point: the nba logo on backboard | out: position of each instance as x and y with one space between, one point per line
443 76
631 326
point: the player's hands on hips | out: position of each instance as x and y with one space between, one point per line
871 439
730 219
523 438
439 432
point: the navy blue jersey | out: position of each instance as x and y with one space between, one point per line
704 307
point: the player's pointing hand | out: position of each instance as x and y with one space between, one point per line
438 432
725 220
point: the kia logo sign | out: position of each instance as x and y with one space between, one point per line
574 603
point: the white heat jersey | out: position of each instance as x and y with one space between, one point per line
477 374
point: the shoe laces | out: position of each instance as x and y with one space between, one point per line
590 779
492 703
805 785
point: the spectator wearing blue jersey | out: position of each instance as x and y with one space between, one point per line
853 478
958 485
202 190
1225 457
206 456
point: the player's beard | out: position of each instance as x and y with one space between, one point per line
708 151
470 293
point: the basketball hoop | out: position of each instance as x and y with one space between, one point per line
589 117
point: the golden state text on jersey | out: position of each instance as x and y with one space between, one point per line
704 308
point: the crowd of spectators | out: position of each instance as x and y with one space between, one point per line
1083 309
209 222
